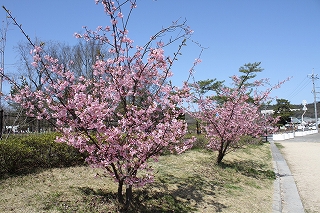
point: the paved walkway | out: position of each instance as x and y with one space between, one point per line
297 189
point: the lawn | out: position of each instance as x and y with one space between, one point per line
190 182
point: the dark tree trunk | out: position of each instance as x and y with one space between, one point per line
38 126
220 156
120 195
198 127
124 204
222 151
128 197
1 122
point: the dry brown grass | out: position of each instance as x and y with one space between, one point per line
190 182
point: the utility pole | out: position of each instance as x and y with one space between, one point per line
3 34
313 78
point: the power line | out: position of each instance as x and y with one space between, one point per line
301 86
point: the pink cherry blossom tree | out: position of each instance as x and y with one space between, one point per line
123 116
235 112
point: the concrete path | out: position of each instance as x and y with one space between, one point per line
297 187
286 197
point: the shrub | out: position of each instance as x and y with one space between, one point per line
23 154
201 142
14 157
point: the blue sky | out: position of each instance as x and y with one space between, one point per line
284 35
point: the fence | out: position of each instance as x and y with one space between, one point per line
18 123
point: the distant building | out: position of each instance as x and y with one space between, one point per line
271 111
267 112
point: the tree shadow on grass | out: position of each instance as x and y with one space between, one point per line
249 168
176 198
169 194
144 201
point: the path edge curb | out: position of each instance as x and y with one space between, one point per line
286 197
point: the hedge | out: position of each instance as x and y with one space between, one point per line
25 153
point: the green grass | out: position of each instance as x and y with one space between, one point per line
190 182
279 145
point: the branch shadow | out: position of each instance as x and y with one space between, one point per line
162 197
170 193
249 168
186 193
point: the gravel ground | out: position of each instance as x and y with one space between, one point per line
303 157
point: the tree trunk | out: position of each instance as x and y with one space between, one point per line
223 150
124 204
220 156
198 127
128 197
120 195
1 122
38 126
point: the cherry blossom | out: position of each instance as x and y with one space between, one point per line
123 116
238 115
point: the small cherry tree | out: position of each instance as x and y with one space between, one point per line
126 114
235 112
